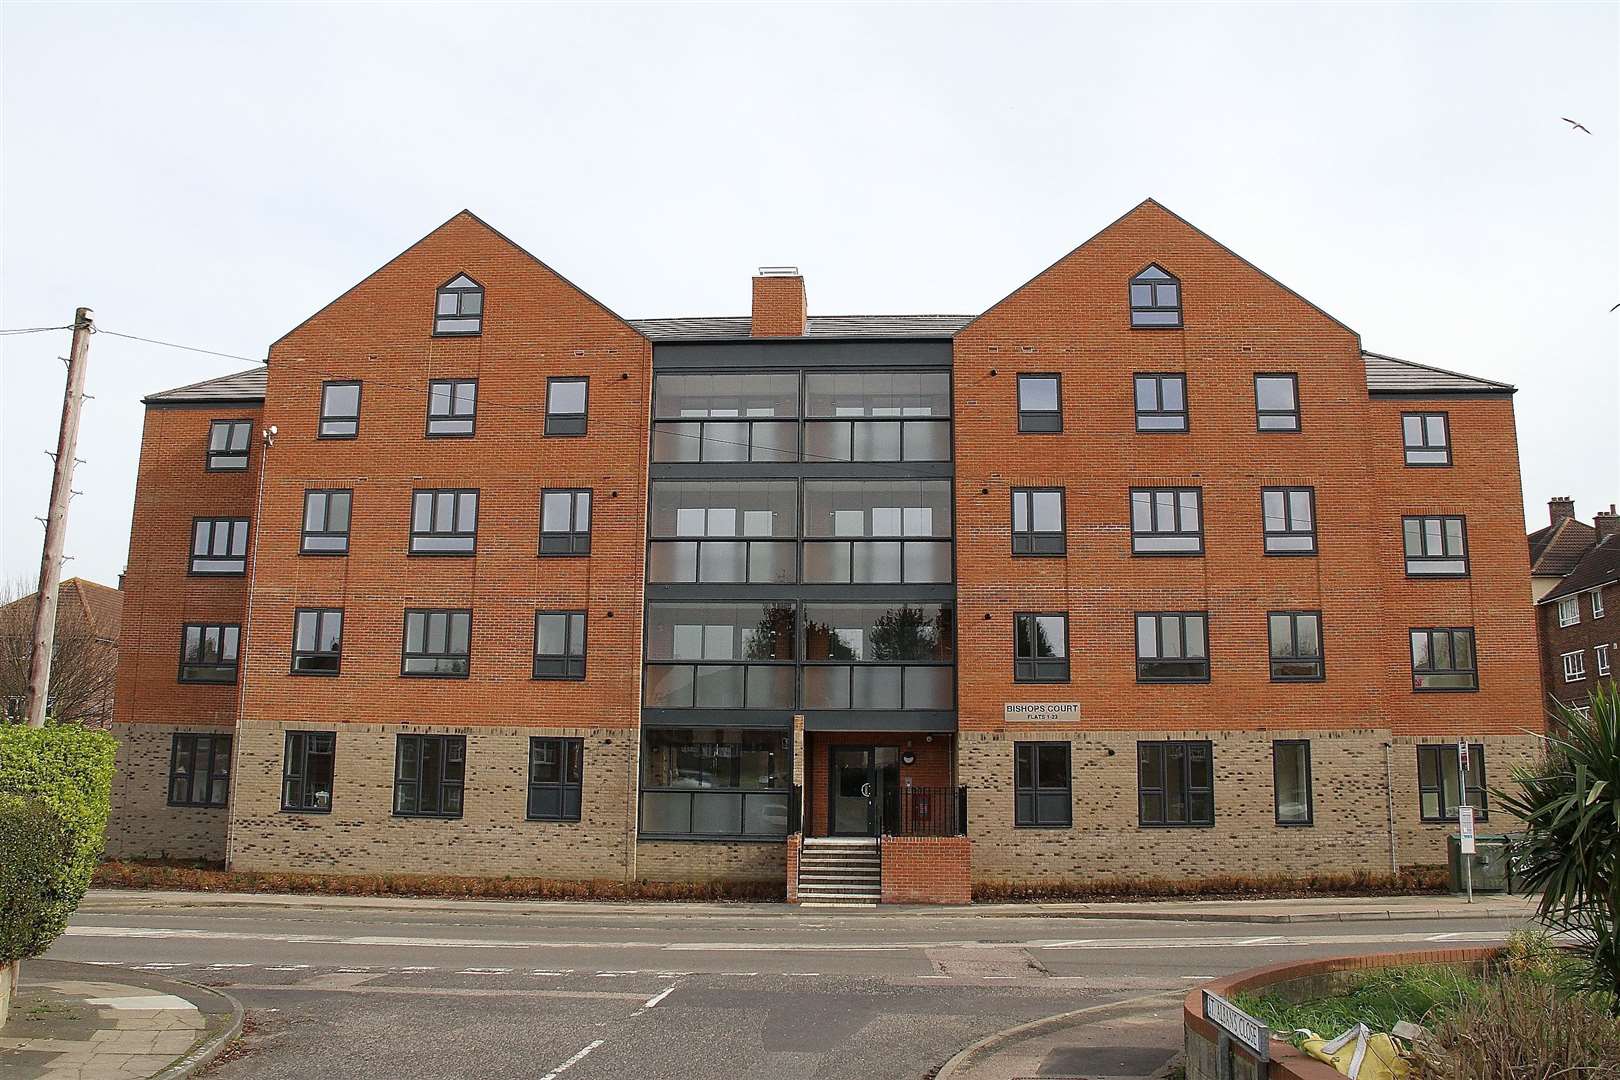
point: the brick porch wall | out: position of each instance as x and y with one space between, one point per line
927 870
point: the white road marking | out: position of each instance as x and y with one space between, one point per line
545 971
1441 937
290 967
485 971
158 967
933 976
804 974
571 1062
416 970
221 967
1259 940
1196 978
660 996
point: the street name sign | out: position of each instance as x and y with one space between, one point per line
1244 1029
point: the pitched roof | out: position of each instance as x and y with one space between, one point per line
100 607
1599 566
243 386
1390 375
738 328
1556 549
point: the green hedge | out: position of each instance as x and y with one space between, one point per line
54 788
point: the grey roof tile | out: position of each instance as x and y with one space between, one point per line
737 327
1390 375
1599 566
243 386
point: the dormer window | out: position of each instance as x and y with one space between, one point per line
459 308
1155 299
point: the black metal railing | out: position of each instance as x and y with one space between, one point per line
929 811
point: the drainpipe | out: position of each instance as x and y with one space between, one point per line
1389 799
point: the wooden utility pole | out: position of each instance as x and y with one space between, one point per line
50 561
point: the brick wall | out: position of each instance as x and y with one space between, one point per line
933 767
143 825
711 860
927 869
1584 636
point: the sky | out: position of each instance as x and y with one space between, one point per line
213 174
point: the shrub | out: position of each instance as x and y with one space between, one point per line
1418 995
1411 879
1521 1028
54 786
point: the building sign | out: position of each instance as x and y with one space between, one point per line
1244 1029
1038 711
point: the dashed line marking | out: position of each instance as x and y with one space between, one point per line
571 1062
485 971
660 996
1260 940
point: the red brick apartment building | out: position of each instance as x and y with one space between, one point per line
1148 570
1575 570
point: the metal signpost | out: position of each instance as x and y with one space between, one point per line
1235 1025
1465 819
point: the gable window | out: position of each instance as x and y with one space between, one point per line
437 642
219 546
1172 646
1041 647
444 521
1042 790
208 652
1175 783
1161 402
1291 781
1443 659
317 641
1155 299
565 522
1440 793
452 405
1276 402
1296 645
1602 653
556 776
1167 521
1569 610
306 771
1039 403
228 445
565 406
199 769
326 522
1426 438
1575 666
428 774
340 410
559 644
458 308
1597 603
1037 521
1435 546
1288 520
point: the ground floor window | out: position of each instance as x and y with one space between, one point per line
556 773
199 769
1042 794
1439 793
1176 783
429 771
306 771
715 782
1291 779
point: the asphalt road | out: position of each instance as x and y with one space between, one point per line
729 992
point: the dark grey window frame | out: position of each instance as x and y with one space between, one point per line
219 753
562 425
1424 446
321 615
1287 532
237 459
794 663
295 769
427 653
1319 660
1158 640
1034 669
1431 670
305 533
1039 543
451 417
1039 421
570 752
1260 414
1427 558
1448 812
1027 800
234 664
568 664
716 787
456 529
1162 747
573 540
1159 378
324 418
460 293
206 556
1153 306
444 743
1139 535
1276 789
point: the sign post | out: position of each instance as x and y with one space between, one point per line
1465 819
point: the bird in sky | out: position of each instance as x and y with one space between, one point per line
1575 126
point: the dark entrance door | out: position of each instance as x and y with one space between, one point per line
864 783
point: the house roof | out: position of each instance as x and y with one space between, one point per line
738 328
1599 566
101 607
246 385
1391 375
1556 549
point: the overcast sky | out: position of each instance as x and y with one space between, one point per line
212 174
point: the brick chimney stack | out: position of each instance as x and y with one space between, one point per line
1558 507
1606 522
779 308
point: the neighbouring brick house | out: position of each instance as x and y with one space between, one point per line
84 652
1579 633
1148 570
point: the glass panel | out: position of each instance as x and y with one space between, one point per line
1147 637
1020 511
927 563
1299 511
676 442
1308 630
927 688
341 400
926 441
826 563
1282 637
725 395
769 686
669 687
1037 394
725 442
1048 508
1274 393
721 561
718 687
875 688
876 442
878 393
826 687
872 562
1173 393
1436 426
775 442
765 815
826 441
771 562
565 396
666 812
1412 430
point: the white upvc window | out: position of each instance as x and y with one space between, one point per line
1602 659
1575 666
1597 603
1569 611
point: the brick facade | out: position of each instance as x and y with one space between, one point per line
927 869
